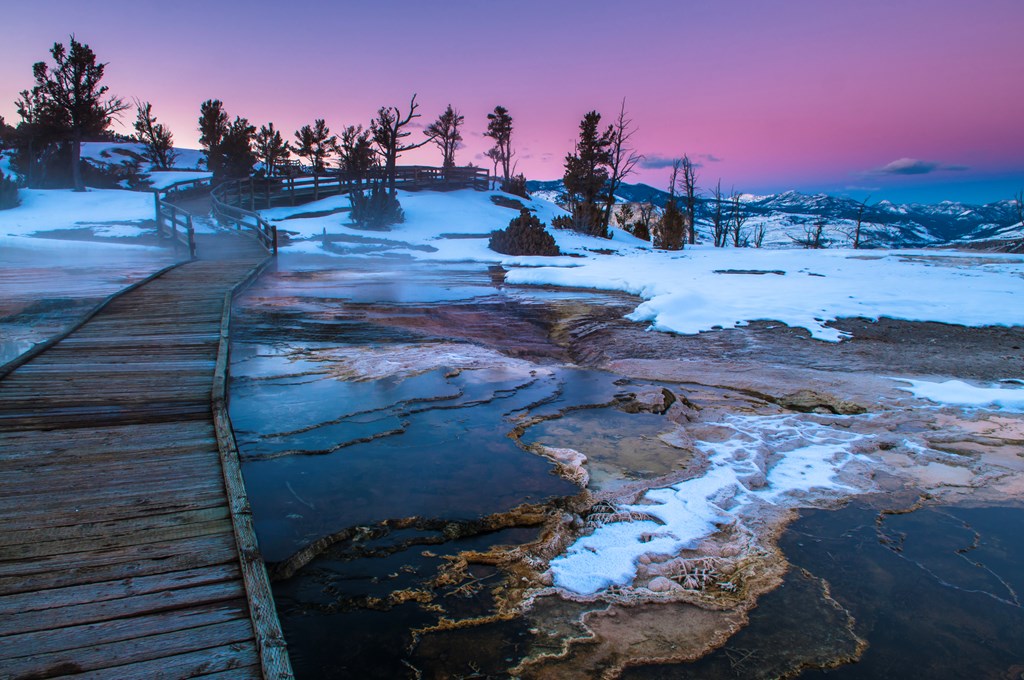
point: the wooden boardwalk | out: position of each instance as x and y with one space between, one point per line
118 553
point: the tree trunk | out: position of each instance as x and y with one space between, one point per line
76 161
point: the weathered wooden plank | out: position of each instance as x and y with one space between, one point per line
174 533
152 558
41 520
134 650
76 612
83 531
56 639
11 605
237 655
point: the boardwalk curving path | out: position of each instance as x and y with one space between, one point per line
119 549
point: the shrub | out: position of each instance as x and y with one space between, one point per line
669 234
378 209
562 222
8 192
515 185
525 235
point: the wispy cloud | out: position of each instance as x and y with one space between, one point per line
657 161
914 166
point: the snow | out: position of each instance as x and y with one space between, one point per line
49 210
684 294
116 152
161 179
773 460
683 291
959 393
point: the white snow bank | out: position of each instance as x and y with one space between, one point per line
161 179
959 393
777 460
49 210
114 153
694 290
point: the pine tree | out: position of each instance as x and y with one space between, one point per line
155 136
444 132
356 154
586 176
236 149
69 96
213 127
499 128
271 148
670 234
317 144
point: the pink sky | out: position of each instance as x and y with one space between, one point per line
766 95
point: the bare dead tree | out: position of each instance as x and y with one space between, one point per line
690 194
388 132
719 226
814 236
757 238
739 218
861 208
623 160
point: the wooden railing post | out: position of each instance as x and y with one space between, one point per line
191 237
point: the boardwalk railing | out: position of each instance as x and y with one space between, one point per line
175 223
237 201
228 201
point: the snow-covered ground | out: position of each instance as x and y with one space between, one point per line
113 153
44 211
700 288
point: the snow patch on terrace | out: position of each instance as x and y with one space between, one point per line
44 210
775 460
959 393
700 288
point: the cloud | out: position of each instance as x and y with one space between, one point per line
657 162
710 157
914 166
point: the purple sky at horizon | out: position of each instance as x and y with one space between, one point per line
914 100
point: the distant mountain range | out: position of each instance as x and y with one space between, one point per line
788 216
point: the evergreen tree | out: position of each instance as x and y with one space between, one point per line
317 144
670 234
444 132
156 136
70 98
356 154
271 148
213 127
586 176
236 149
499 128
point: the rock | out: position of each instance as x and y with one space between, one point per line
811 401
649 399
660 584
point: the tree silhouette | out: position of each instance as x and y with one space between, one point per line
69 96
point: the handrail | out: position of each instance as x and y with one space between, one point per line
169 218
226 211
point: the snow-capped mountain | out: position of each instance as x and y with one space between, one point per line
787 217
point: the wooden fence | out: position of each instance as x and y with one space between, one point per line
237 201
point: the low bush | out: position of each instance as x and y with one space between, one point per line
8 192
377 209
515 185
525 235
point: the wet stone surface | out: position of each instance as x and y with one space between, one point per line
426 449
